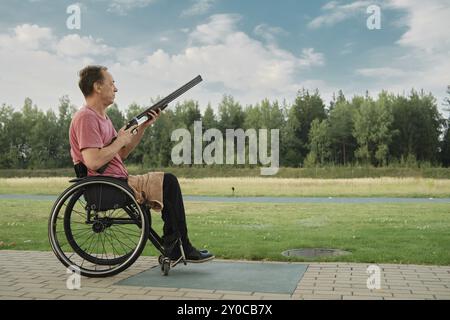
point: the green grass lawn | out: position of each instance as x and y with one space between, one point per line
374 233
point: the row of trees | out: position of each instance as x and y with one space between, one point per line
391 129
379 132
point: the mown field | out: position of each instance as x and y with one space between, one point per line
258 186
224 171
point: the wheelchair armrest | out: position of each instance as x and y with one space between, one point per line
76 180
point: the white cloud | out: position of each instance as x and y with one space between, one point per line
335 13
37 64
229 60
269 33
198 8
127 55
428 23
33 37
382 73
226 58
310 58
74 45
426 44
26 36
217 29
122 7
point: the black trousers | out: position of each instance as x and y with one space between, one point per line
173 213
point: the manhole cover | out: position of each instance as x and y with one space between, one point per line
314 252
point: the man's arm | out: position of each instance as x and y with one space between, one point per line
95 158
125 151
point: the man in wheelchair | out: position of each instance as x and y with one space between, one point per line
91 133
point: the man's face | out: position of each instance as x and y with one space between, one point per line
107 88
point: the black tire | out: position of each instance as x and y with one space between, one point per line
69 207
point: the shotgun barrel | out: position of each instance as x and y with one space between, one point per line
163 103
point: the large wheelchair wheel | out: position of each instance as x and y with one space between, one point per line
97 227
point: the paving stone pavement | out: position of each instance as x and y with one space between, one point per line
39 275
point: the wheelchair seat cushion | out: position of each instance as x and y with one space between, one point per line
102 196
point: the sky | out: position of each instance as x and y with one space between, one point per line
252 49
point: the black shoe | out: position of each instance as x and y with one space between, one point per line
192 255
198 256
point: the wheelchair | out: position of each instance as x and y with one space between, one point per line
97 228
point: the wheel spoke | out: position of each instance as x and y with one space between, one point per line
107 235
121 241
125 234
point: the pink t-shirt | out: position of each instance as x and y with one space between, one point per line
90 130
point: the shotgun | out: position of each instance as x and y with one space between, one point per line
162 104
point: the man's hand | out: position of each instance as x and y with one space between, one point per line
125 137
130 140
152 117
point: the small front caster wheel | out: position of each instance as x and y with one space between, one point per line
165 267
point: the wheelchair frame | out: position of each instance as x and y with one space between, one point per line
83 201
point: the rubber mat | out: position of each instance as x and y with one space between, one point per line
232 276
